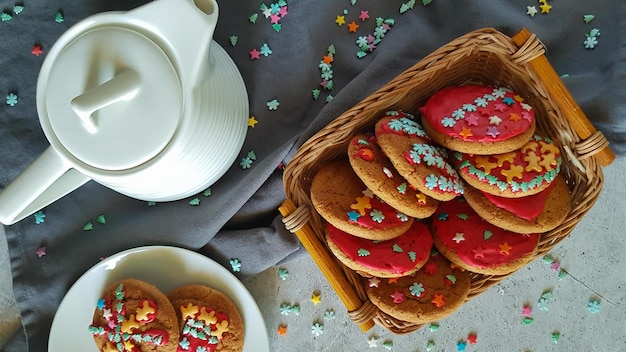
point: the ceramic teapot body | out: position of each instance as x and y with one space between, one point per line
143 102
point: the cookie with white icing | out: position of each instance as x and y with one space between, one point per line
378 174
342 199
432 293
537 213
208 319
397 257
478 119
519 173
424 165
474 244
133 315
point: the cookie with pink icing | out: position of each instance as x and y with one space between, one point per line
378 174
423 164
397 257
474 244
133 315
341 198
432 293
519 173
537 213
478 119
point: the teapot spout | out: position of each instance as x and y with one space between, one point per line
184 29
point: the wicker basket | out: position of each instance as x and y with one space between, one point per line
485 57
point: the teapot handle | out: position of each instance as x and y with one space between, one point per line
47 179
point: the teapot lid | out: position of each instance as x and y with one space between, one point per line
111 97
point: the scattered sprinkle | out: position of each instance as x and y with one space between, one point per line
151 203
471 338
5 17
433 327
593 306
388 344
460 346
273 104
285 309
364 15
194 202
233 40
207 192
555 337
316 298
235 264
88 226
255 54
317 329
543 300
545 8
11 99
588 18
283 274
407 6
372 341
340 20
562 274
527 311
59 17
430 345
282 330
531 11
37 50
316 93
368 44
17 9
102 219
41 251
265 50
40 217
527 321
252 121
329 314
253 18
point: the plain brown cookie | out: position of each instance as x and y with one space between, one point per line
201 308
424 165
553 210
478 119
342 199
472 243
132 308
397 257
432 293
378 174
519 173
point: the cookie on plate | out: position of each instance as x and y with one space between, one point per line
133 315
478 119
519 173
432 293
378 174
208 319
342 199
537 213
400 256
424 165
472 243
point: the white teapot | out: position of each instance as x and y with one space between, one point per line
143 102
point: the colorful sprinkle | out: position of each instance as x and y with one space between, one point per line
388 345
593 306
88 226
273 104
329 314
102 220
37 50
283 274
316 298
235 264
5 17
194 202
233 40
372 341
282 330
41 251
59 17
317 329
40 217
588 18
17 9
555 337
11 99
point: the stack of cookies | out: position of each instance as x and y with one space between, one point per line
416 206
134 315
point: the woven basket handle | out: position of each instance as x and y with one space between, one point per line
295 220
565 101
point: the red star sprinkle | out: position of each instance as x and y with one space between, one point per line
41 251
471 338
364 15
254 54
398 297
527 311
37 50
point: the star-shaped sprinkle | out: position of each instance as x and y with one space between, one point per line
316 298
398 297
37 50
471 338
41 251
352 27
373 282
340 20
479 252
364 15
494 120
545 8
505 248
531 11
527 311
392 280
255 54
458 237
492 131
460 346
438 300
252 121
372 342
465 133
282 330
353 216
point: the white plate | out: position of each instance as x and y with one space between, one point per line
164 267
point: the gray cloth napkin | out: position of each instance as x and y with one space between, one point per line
239 219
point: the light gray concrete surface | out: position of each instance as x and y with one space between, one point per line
593 255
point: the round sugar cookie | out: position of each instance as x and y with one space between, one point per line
378 174
424 165
134 315
537 213
478 119
519 173
432 293
342 199
400 256
472 243
208 319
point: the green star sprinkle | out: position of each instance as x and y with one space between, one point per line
88 226
194 202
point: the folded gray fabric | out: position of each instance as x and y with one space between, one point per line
239 218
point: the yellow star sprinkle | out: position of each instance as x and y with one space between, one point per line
545 8
316 298
129 345
252 121
340 20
